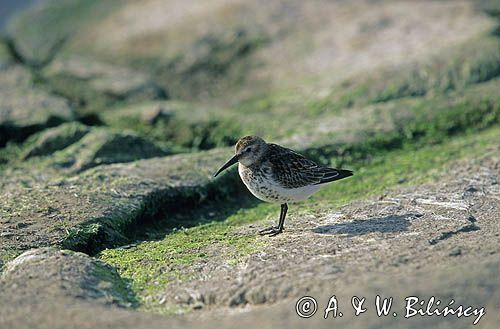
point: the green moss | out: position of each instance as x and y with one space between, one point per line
8 255
79 235
113 285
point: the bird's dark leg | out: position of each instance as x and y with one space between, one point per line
273 230
284 209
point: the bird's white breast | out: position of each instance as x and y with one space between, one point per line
264 187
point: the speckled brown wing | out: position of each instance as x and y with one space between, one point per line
292 170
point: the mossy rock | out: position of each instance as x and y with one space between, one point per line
25 109
42 30
55 139
213 63
94 209
177 123
57 273
5 55
91 83
104 146
455 70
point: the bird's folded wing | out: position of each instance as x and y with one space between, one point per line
292 170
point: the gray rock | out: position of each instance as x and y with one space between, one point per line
103 146
42 30
68 74
5 56
56 139
25 109
91 210
27 309
52 273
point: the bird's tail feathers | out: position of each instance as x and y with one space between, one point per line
335 174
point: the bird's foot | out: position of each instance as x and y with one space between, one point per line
271 231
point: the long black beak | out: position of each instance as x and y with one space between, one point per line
228 164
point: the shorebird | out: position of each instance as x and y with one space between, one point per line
277 174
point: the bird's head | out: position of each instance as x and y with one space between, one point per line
248 151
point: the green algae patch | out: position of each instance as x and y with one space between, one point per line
410 122
24 109
406 167
180 125
194 126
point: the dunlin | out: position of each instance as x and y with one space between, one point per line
276 174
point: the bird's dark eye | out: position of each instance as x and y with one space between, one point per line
249 150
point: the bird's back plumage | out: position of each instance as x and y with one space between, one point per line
292 170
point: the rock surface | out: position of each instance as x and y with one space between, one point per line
437 240
56 139
83 79
103 146
5 56
42 30
199 49
394 90
51 274
25 109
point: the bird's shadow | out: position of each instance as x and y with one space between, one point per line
387 224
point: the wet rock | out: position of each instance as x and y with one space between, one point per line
25 109
103 146
56 139
82 79
52 273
